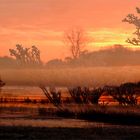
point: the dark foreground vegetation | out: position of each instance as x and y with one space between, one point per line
125 94
114 115
38 133
84 104
122 115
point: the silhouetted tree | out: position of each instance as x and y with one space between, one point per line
128 89
55 63
79 94
125 94
85 95
135 20
53 96
26 55
35 55
75 40
95 95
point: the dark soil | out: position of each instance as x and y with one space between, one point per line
44 133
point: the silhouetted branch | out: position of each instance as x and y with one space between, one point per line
53 96
132 19
75 40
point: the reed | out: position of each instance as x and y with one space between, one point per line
110 114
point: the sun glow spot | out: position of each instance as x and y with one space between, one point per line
107 38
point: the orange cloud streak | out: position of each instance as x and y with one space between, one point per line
42 23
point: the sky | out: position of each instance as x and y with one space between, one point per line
43 23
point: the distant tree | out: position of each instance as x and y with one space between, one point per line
76 41
134 20
55 62
7 62
68 59
26 55
35 55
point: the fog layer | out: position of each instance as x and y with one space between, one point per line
90 76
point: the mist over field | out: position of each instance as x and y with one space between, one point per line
69 69
80 76
116 55
111 66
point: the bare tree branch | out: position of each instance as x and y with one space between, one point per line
133 19
75 40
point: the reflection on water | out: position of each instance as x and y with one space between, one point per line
27 91
21 91
47 123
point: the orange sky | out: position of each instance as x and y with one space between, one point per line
42 22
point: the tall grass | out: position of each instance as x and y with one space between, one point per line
111 114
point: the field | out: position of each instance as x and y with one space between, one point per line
26 113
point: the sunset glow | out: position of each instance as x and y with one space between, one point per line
42 23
